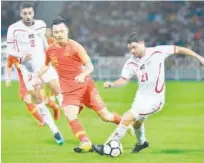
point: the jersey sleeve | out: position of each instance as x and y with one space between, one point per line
82 54
12 48
127 71
167 50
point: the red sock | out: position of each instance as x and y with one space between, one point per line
117 118
52 104
55 108
78 130
33 110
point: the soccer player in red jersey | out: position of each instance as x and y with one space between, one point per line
74 67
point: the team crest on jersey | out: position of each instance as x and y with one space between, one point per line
31 36
142 67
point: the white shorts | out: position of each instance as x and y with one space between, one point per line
143 106
50 75
28 77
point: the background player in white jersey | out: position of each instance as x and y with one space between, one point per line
147 64
27 42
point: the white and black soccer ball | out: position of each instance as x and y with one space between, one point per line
113 148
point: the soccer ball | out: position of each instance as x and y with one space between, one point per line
113 148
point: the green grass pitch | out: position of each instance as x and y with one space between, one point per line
176 134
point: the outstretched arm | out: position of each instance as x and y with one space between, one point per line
189 52
118 83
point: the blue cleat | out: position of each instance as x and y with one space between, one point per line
58 138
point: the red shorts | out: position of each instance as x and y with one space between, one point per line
83 94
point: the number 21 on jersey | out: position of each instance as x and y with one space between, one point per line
144 77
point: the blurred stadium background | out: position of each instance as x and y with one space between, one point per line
103 26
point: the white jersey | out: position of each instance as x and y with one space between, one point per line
149 70
22 40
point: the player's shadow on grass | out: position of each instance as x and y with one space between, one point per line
178 151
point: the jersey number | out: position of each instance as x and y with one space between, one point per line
144 77
32 43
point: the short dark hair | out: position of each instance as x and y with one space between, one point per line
59 20
27 5
134 37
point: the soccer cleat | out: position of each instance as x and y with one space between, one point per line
58 138
139 147
84 147
98 149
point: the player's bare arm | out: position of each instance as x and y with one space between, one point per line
118 83
87 71
189 52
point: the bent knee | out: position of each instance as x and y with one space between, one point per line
71 112
27 99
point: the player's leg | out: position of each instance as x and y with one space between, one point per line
27 98
38 96
71 113
55 88
144 109
140 135
32 108
119 133
54 106
93 100
128 118
51 78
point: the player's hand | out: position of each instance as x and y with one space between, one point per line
27 57
80 78
8 82
108 84
36 82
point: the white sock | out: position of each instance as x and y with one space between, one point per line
140 134
118 134
47 117
59 99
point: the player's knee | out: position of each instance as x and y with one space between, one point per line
137 124
71 113
27 99
127 118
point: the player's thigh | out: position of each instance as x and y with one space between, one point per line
142 107
27 79
92 99
71 111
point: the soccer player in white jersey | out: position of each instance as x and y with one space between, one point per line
147 64
26 41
